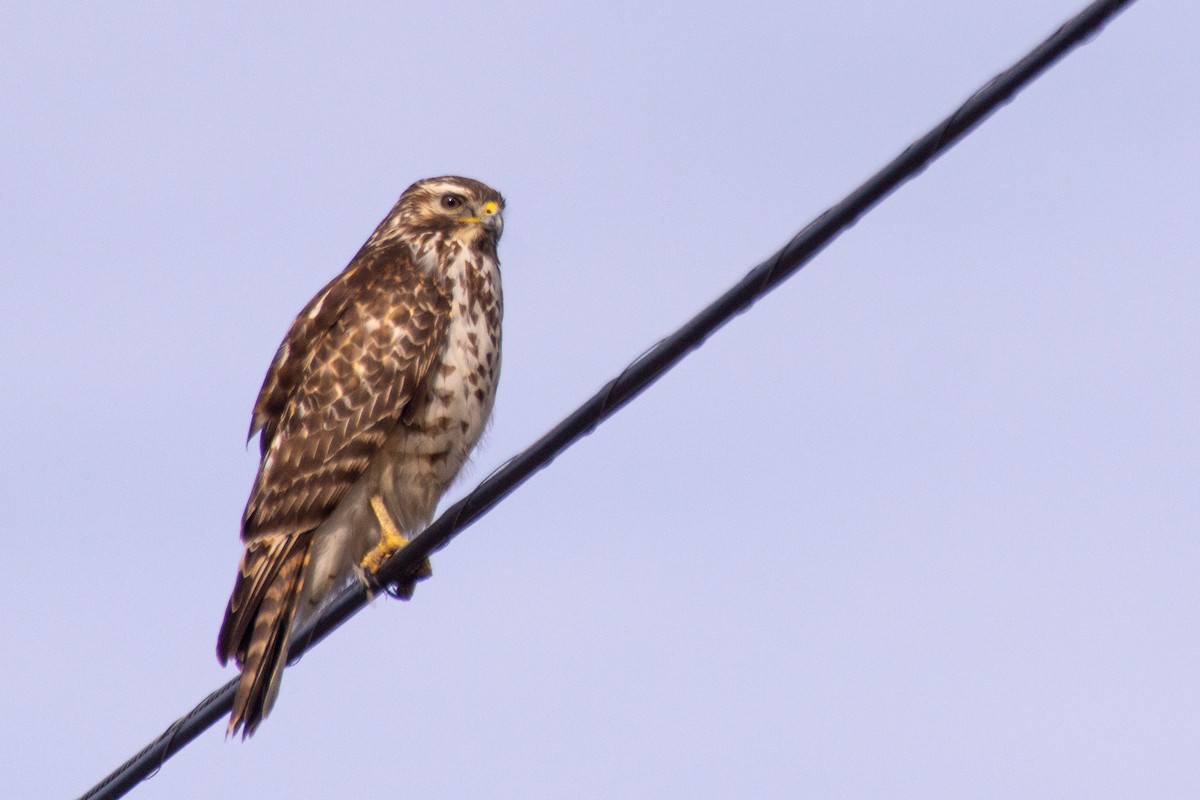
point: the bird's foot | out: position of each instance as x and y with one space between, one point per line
391 541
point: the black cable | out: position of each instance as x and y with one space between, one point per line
644 370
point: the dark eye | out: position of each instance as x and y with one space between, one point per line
452 201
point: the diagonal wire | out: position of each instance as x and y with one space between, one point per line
635 378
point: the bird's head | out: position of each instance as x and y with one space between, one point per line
449 208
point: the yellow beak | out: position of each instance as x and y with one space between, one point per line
489 215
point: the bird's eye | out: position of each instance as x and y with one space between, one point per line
452 201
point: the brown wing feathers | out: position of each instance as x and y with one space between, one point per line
340 381
296 351
357 378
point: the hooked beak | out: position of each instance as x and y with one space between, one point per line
489 217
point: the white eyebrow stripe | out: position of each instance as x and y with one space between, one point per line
438 188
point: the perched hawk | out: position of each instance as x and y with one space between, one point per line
375 398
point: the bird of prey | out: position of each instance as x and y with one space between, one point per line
373 402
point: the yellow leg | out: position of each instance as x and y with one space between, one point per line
391 541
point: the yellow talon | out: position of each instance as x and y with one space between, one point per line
391 541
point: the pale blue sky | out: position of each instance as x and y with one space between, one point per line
923 524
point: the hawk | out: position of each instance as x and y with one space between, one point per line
373 402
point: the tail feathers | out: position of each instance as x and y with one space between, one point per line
258 624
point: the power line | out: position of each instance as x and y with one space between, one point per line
636 377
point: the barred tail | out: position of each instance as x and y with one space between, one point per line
258 623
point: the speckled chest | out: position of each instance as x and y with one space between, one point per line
462 384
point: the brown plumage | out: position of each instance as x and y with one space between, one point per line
373 401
